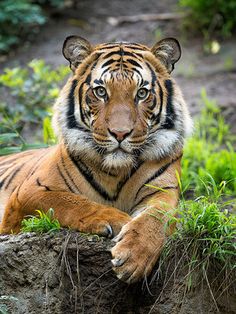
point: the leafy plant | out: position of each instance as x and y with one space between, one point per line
21 19
13 141
45 222
210 17
33 90
205 160
17 19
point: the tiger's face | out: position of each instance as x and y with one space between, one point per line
121 105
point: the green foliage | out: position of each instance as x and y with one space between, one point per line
213 230
20 19
33 90
48 133
210 16
17 18
204 243
45 222
206 163
11 143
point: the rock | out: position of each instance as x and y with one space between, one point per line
68 272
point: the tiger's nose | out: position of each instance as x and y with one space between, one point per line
120 135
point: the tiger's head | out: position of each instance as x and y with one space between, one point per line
121 105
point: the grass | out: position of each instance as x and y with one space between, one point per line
209 155
45 222
204 241
203 247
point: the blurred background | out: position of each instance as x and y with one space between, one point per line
33 68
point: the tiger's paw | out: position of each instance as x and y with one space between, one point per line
134 254
107 224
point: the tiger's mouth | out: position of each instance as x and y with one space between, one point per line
116 148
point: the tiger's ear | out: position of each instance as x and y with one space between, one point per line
168 51
75 50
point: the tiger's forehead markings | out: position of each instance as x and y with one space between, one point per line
123 59
132 46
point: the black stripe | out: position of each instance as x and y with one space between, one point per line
154 78
87 81
121 53
88 100
35 166
153 104
142 199
135 63
88 175
109 46
170 113
15 157
106 70
39 184
99 82
13 174
133 46
157 117
71 121
68 174
155 192
82 116
108 63
88 78
136 70
159 172
109 173
66 182
2 182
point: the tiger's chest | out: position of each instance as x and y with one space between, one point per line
123 189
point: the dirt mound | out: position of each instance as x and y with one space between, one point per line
68 272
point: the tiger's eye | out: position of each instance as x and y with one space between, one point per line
100 91
142 93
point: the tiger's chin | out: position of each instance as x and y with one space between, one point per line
118 159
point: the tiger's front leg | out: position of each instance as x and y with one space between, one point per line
73 211
140 241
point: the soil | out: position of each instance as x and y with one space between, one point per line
89 19
69 273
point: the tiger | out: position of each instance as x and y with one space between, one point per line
121 123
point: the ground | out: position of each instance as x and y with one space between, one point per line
76 277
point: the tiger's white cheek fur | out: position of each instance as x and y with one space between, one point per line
167 141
